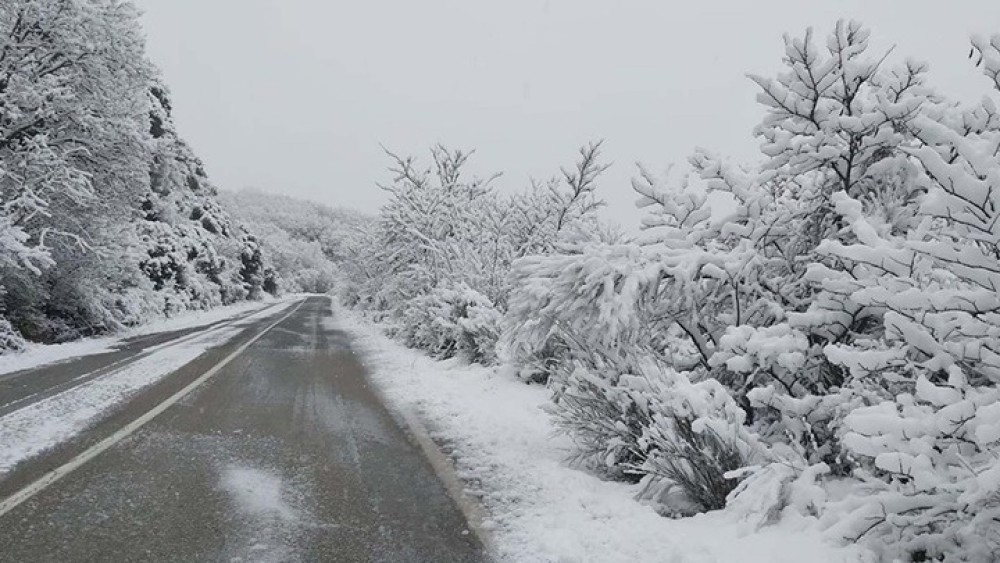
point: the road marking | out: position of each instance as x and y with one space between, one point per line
90 453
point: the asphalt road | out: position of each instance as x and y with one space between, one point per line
285 454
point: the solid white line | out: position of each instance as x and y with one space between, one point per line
90 453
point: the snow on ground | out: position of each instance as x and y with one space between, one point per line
266 525
39 426
256 492
540 508
36 355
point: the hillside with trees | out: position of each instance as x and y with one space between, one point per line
107 218
307 244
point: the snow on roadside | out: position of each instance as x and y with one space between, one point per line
36 355
39 426
541 509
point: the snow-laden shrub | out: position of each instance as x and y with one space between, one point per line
926 447
591 297
931 481
653 424
540 364
451 321
778 489
696 438
623 309
10 339
927 453
604 421
882 364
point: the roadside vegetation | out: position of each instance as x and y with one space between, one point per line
822 345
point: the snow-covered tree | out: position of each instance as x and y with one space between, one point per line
72 141
846 301
89 160
928 448
870 238
446 244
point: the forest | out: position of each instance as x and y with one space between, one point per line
824 343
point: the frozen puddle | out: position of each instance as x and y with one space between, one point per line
266 526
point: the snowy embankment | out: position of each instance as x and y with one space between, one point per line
42 425
540 508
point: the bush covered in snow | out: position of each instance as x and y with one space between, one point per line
619 385
846 302
813 334
10 340
438 263
451 321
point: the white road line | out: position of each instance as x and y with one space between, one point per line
90 453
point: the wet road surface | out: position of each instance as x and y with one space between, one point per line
284 455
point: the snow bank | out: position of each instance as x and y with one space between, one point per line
540 508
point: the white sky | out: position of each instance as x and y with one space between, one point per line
295 96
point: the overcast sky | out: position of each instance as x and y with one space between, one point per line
296 96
